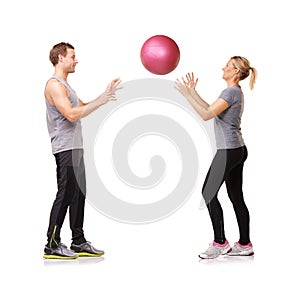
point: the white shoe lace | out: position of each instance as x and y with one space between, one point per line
213 250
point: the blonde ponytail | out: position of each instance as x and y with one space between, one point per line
252 77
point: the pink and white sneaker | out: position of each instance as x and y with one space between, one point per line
241 250
214 250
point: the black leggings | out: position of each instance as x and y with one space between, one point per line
70 195
227 166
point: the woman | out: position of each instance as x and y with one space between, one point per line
227 165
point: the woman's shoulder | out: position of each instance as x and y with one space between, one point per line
232 94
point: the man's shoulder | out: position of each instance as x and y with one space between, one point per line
54 85
52 81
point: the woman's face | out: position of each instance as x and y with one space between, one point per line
229 70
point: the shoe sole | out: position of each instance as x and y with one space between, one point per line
211 257
52 256
250 254
85 254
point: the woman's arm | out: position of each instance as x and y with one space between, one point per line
206 111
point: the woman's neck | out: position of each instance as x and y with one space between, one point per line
231 83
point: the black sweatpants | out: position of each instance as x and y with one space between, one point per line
71 190
227 166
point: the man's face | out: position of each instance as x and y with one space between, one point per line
69 61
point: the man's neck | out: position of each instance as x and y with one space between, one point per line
60 73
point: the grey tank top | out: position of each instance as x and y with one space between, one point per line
65 135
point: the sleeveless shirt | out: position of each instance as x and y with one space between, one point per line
65 135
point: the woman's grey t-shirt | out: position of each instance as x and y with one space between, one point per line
65 135
228 123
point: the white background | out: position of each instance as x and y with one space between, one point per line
158 260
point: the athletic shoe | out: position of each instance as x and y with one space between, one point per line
241 250
214 250
86 249
60 252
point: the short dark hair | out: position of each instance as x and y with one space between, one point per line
59 49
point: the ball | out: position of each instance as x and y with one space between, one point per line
160 54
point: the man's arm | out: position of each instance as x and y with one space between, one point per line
57 95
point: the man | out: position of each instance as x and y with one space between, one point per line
64 111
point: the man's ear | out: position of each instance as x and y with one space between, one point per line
60 58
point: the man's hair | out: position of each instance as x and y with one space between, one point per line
59 49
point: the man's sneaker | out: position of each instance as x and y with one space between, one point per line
241 250
86 249
60 252
214 250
